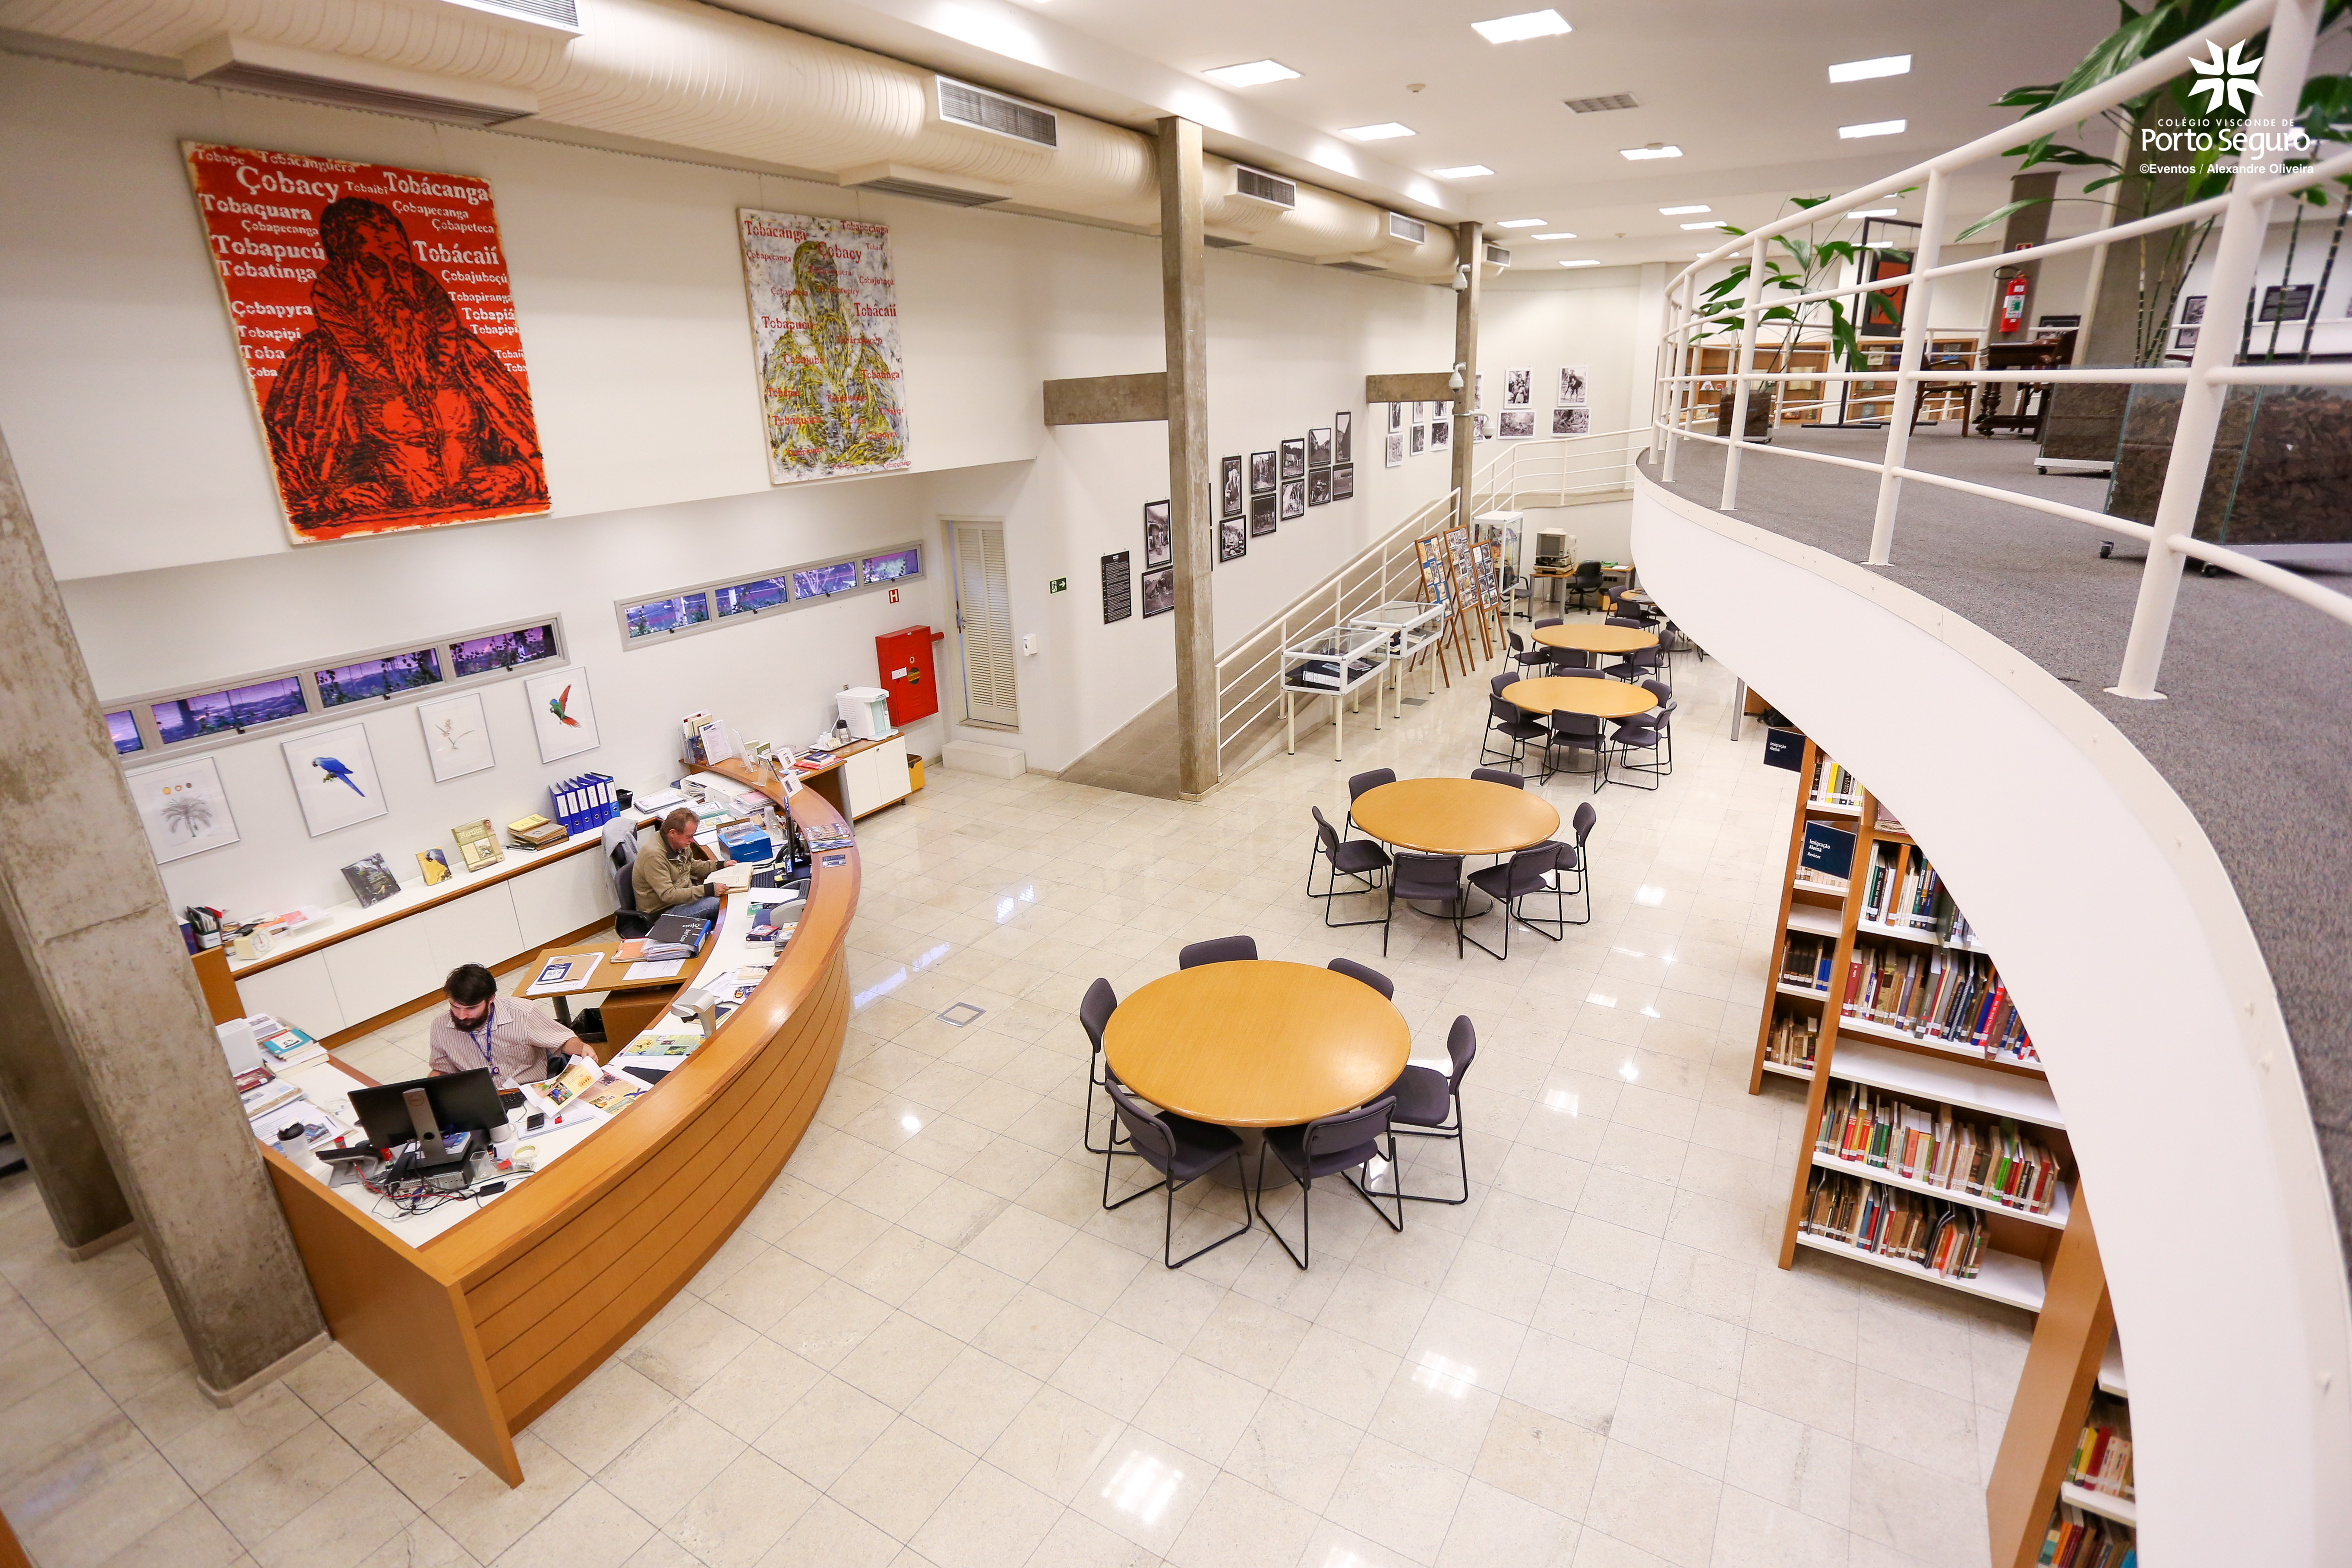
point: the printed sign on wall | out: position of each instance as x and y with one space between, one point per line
824 322
378 333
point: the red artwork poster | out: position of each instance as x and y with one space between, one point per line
378 338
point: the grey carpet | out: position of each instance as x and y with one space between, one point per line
2256 735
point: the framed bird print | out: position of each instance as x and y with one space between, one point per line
334 778
561 714
182 808
457 736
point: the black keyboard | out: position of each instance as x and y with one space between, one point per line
511 1098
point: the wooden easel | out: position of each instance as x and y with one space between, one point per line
1439 580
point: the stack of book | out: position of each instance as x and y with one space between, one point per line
1903 890
1795 1040
1942 1239
2103 1458
283 1045
1833 785
1934 1146
1805 962
536 832
1935 994
2077 1540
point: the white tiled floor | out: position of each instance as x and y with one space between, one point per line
928 1345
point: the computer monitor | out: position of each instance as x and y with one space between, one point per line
458 1102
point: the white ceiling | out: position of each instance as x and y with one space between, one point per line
1742 89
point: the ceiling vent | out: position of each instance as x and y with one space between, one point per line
561 15
252 65
1220 242
1497 256
1411 229
960 103
1272 189
922 191
1357 267
1602 105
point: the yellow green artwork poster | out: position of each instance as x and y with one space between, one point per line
825 323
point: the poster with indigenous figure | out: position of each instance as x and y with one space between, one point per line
372 309
824 322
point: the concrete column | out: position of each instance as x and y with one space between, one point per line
53 1128
122 1018
1192 509
1470 245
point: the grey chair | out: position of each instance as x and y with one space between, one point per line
1662 717
1525 875
1429 1105
1567 661
1508 677
1182 1150
1572 732
1496 776
620 845
1358 859
1426 879
1216 949
1574 859
1585 586
1369 975
1505 720
1094 1016
1634 736
1357 783
1328 1146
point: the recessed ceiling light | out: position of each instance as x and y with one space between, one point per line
1386 130
1654 149
1561 235
1525 26
1876 128
1523 223
1863 71
1257 73
1706 222
1465 172
1588 261
1873 212
1694 207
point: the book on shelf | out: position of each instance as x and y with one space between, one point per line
1795 1040
1955 998
2079 1540
2102 1462
1941 1237
1938 1147
1833 785
478 844
1806 961
536 832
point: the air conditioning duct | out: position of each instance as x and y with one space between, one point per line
1601 105
254 65
557 16
1224 242
1261 187
924 185
1497 256
1356 266
960 103
1410 230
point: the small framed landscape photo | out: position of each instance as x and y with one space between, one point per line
1420 439
1229 487
1396 416
1343 482
1158 543
1517 423
1261 473
1262 518
1159 591
1232 538
1293 459
1318 487
1571 421
1395 450
1343 438
1441 431
1318 448
1294 498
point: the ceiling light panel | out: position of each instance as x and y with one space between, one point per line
1706 222
1523 223
1386 130
1679 212
1602 105
1464 171
1562 235
1255 73
1586 262
1876 128
1525 26
1654 149
1864 70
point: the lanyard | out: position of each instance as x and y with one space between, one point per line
488 1037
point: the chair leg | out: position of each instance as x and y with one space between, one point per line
1111 1145
1398 1223
1455 1134
1305 1213
1168 1242
1139 1192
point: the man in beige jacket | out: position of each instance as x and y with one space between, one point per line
676 878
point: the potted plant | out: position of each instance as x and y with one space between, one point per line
1794 263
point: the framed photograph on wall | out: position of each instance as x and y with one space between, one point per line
1343 438
1293 458
334 777
1229 487
1318 448
1318 487
1519 388
1395 450
1396 416
1343 482
456 737
1441 432
562 714
1478 390
1232 538
1159 591
1571 421
1262 518
1294 498
1262 476
1575 380
1420 439
183 807
1517 423
1158 543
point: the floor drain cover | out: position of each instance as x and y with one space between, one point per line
962 1012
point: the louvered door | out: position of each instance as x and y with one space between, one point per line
984 622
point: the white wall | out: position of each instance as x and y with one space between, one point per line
1531 318
130 422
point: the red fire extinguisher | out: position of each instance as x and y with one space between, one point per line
2012 305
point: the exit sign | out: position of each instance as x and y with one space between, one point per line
1059 585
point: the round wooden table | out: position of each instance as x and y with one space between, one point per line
1259 1043
1591 637
1574 693
1460 816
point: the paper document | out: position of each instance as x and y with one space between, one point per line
734 879
564 973
648 970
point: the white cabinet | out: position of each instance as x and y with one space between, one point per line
379 970
476 928
556 901
298 992
873 778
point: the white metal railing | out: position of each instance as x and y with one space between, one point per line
2244 216
1249 674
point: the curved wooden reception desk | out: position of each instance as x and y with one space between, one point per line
486 1325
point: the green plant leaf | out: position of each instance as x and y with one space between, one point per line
1998 214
